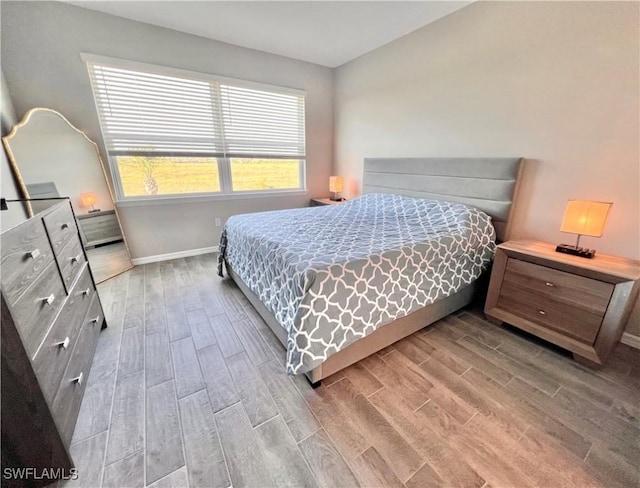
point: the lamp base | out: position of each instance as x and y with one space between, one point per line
94 210
336 199
582 252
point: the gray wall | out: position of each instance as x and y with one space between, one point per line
41 44
16 213
48 150
553 81
556 82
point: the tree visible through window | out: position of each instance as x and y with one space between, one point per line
187 133
146 175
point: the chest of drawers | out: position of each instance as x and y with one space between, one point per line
579 304
51 318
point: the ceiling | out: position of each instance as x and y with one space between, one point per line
329 33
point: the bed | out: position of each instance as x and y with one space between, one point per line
338 283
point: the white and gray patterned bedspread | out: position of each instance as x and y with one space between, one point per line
333 274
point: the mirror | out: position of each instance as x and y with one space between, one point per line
51 158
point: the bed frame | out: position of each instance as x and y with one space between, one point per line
490 184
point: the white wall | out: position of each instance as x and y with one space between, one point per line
41 44
554 82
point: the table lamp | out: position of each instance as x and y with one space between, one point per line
336 184
89 200
584 218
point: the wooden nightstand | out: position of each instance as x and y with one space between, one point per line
99 228
317 202
579 304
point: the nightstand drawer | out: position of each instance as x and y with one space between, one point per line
579 304
574 322
571 289
99 228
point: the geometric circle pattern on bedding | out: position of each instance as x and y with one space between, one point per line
334 274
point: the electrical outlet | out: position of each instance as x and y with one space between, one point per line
218 223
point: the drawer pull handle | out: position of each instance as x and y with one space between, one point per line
76 259
78 379
86 292
65 225
34 254
49 300
542 312
96 319
64 344
549 284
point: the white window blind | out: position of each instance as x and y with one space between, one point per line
151 114
260 124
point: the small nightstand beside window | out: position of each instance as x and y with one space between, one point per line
579 304
99 227
317 202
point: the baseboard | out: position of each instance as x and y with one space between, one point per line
173 255
630 340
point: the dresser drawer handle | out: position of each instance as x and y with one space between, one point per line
64 344
86 292
549 284
65 225
78 379
49 300
76 259
95 320
34 254
542 312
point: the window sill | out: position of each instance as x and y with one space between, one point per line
210 197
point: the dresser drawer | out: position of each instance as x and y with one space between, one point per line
71 260
25 253
574 322
578 291
61 226
35 310
54 354
66 403
85 286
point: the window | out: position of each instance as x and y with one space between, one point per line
171 133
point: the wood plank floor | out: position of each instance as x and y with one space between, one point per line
188 389
108 260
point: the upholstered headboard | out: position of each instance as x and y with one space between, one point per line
489 184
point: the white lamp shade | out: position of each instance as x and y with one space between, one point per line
88 199
585 217
336 184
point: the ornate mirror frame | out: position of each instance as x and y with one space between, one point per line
23 186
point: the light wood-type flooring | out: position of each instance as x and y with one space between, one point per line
188 389
108 260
